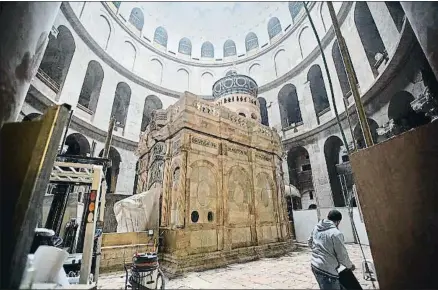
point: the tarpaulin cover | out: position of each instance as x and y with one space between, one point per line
139 212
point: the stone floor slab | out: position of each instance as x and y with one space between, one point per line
291 271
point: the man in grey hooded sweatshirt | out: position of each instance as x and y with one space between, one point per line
328 251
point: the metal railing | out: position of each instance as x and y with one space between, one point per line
48 80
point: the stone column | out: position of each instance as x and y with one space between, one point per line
25 27
423 17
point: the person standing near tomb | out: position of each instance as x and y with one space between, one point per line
328 251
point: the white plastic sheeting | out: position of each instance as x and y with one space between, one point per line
139 212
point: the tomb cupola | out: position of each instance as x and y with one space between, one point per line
238 93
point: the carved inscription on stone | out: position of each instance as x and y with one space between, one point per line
237 150
203 142
156 173
262 156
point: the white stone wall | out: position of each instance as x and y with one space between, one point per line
288 57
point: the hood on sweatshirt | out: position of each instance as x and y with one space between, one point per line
324 225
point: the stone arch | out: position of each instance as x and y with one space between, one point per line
91 86
238 194
155 71
104 35
78 145
300 169
151 103
129 55
307 41
121 102
290 112
203 186
255 71
369 35
402 114
183 79
318 91
333 151
263 111
358 135
136 18
57 58
207 81
264 193
112 173
281 62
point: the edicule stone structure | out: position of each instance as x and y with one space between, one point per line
222 183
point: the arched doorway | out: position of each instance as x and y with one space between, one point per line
112 173
334 155
401 113
91 86
358 135
121 102
78 145
300 174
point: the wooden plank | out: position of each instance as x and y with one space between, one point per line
28 151
397 185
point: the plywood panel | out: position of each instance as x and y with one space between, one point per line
397 183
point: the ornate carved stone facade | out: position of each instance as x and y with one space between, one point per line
222 187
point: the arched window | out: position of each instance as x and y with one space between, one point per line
333 151
369 36
104 31
137 18
182 81
290 112
185 46
160 36
402 114
151 103
155 71
294 9
396 12
300 173
112 173
57 59
121 102
229 48
77 145
341 72
207 50
263 111
90 91
318 91
251 41
358 135
117 3
274 27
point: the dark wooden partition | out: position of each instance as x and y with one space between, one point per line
397 183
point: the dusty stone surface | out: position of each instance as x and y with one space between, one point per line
291 271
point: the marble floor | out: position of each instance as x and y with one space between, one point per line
291 271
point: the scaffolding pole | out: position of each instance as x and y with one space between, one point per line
351 78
